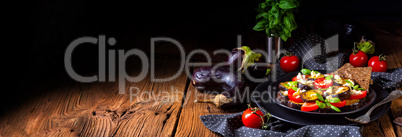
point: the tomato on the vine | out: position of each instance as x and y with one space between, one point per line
289 62
378 63
252 120
358 59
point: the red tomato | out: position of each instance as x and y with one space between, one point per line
322 83
358 96
358 59
289 63
378 64
339 104
296 98
294 78
309 106
252 120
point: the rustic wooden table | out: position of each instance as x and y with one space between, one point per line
68 108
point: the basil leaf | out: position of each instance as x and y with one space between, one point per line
347 81
319 96
287 22
294 88
260 26
355 86
293 83
316 71
283 4
333 107
267 72
362 89
329 77
306 71
320 104
263 14
334 100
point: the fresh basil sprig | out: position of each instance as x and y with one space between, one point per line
276 17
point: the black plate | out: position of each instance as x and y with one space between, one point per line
261 96
273 88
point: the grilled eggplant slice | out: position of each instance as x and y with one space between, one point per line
314 78
285 86
309 95
327 109
282 95
294 105
341 92
353 104
302 86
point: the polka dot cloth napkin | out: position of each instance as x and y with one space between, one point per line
232 126
312 51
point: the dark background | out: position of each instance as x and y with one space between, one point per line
41 30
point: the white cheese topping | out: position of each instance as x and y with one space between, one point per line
329 90
285 93
315 75
338 79
356 92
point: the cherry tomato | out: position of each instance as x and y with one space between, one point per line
378 64
309 106
364 94
252 120
339 104
289 63
358 59
322 83
296 98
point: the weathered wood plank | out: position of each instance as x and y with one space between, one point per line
189 122
372 129
396 109
98 110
